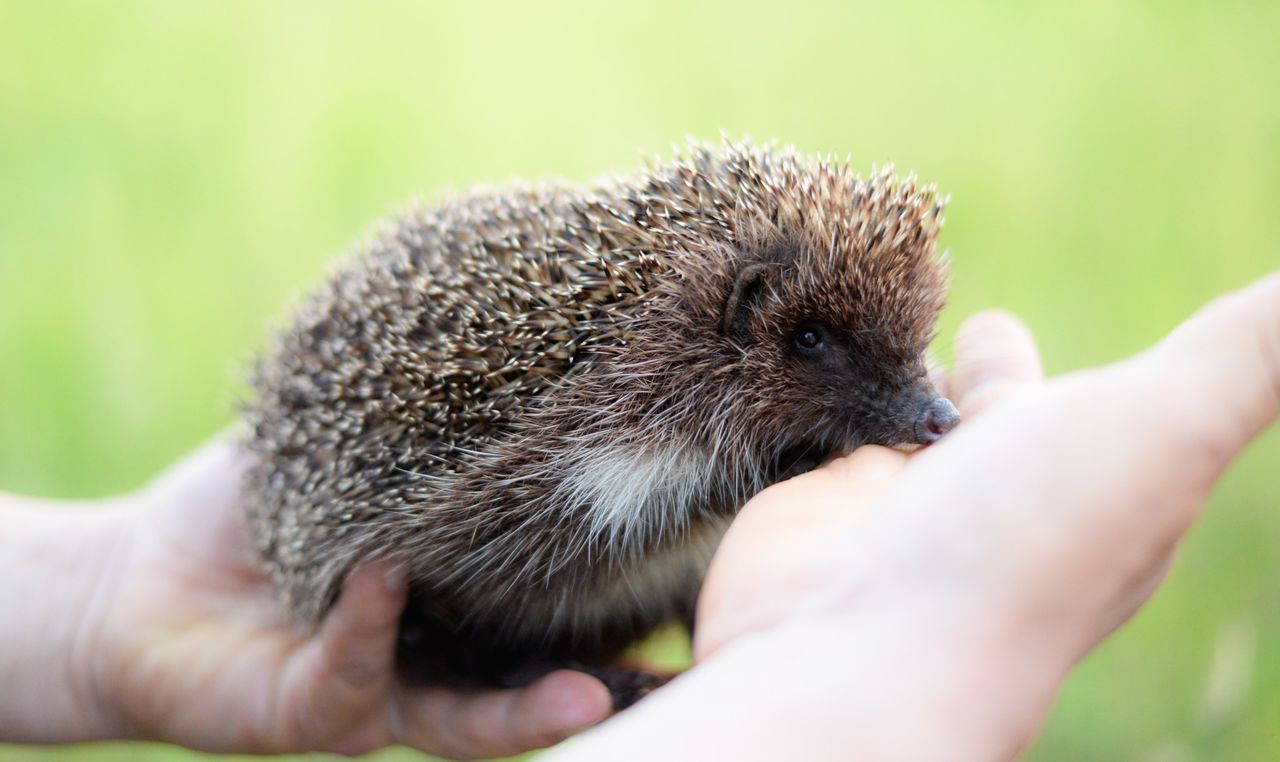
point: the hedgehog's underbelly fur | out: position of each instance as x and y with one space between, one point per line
549 627
651 534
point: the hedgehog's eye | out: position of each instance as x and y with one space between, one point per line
810 338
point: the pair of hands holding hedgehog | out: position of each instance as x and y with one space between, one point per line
886 605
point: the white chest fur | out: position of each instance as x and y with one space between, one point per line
638 495
642 498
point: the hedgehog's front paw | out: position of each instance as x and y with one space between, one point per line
626 686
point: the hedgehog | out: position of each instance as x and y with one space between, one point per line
546 403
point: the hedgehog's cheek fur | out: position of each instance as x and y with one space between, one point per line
905 416
797 459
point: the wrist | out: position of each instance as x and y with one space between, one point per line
60 564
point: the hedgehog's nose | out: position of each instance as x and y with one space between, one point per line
936 418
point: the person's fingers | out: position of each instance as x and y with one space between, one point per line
995 357
938 376
358 637
788 514
1101 473
348 669
866 470
210 475
502 722
1221 371
198 506
778 548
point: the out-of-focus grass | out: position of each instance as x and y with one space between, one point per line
173 174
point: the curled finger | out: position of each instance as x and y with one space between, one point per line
996 357
501 723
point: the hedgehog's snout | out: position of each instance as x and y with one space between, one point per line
937 417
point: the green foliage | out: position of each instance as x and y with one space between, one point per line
173 174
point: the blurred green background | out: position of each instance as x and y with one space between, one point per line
173 174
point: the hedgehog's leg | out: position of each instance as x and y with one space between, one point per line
800 458
627 681
432 652
626 686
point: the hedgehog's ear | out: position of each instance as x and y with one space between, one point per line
748 290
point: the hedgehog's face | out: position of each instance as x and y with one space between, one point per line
835 349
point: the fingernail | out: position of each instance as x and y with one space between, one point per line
395 579
576 707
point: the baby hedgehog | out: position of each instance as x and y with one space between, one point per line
546 403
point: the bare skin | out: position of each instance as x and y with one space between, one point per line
896 607
154 621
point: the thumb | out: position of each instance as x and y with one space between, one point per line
1224 363
344 673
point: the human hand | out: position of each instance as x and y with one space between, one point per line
181 640
889 606
779 554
